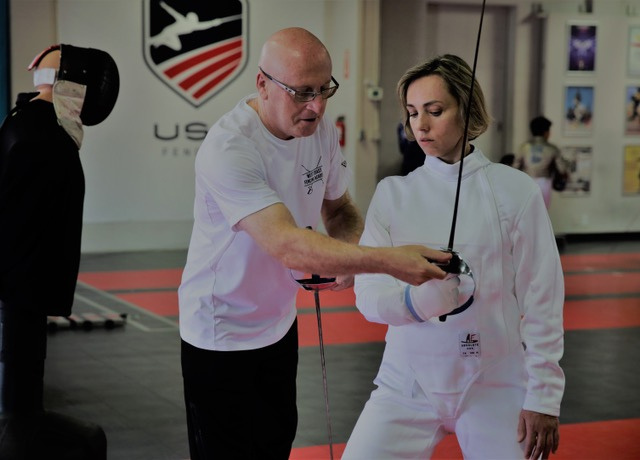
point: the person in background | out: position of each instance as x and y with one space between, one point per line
412 154
539 158
508 159
486 369
41 204
267 171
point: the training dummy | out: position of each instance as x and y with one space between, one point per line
41 201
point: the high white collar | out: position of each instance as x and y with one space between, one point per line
472 162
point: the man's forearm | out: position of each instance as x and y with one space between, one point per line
345 223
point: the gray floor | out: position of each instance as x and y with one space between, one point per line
129 382
127 379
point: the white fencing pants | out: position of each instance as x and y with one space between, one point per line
397 425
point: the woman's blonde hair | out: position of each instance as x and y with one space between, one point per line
456 74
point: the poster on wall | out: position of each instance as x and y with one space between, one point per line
633 52
631 173
195 48
582 48
578 110
579 162
632 111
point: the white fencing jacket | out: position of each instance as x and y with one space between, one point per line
513 331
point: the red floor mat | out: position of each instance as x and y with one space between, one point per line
132 279
328 298
616 439
165 302
339 328
593 262
615 283
617 305
351 327
602 313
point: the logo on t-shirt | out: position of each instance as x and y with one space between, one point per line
313 175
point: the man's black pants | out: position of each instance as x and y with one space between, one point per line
241 404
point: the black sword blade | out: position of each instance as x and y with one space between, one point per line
466 132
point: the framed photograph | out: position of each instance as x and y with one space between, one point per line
631 172
580 162
581 48
632 111
578 110
633 51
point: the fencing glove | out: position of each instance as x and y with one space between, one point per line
433 298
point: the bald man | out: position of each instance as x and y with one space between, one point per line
267 171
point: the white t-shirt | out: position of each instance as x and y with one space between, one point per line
233 295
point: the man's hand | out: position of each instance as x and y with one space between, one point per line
540 434
411 263
343 282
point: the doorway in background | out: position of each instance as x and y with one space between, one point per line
453 29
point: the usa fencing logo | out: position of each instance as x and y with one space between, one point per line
196 47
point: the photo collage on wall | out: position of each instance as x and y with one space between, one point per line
579 160
631 160
578 108
631 179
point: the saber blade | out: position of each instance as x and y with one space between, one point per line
325 386
456 265
466 132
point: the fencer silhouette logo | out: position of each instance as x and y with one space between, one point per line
195 47
313 175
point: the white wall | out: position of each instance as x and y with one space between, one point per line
139 192
406 42
538 87
342 38
604 209
140 189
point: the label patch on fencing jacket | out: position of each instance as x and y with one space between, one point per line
469 343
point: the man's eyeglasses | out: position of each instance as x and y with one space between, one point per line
305 96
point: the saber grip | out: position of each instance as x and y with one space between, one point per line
452 266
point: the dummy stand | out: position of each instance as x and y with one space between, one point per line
27 431
86 321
